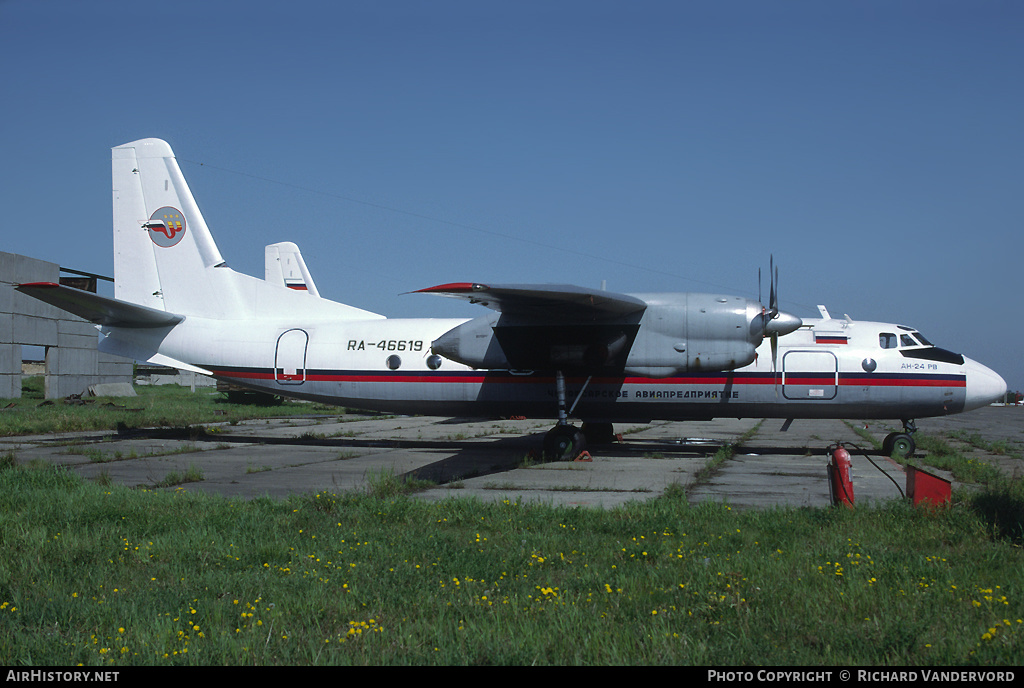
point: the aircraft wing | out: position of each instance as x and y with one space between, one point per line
541 326
98 309
543 301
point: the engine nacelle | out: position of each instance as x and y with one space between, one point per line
473 343
674 334
694 332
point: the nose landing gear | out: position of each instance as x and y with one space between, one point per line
901 444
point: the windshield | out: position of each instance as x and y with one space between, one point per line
920 338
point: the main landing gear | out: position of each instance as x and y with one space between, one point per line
565 442
901 444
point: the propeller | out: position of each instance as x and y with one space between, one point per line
773 321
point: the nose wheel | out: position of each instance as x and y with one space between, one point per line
901 444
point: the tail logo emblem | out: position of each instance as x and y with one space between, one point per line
166 227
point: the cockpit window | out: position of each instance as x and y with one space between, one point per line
887 340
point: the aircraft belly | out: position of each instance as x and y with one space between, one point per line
501 393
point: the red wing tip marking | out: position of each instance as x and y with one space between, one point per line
451 288
40 285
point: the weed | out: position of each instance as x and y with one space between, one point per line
193 474
384 483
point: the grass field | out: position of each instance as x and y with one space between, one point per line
155 406
113 576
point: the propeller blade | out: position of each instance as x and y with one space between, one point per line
773 297
775 367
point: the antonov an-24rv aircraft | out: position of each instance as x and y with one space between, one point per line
548 351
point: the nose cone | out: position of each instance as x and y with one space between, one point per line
783 323
984 386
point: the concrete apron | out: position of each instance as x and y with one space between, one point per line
486 459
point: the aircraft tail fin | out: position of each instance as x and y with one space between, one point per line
165 257
159 234
283 264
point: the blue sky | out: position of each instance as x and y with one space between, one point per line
875 148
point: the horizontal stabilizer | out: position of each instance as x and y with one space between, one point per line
552 301
160 359
98 309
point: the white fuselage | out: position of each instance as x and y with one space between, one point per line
828 368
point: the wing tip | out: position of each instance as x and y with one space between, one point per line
452 288
37 285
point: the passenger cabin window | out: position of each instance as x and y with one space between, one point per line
887 340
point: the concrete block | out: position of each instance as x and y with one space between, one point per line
74 361
70 324
77 341
10 359
61 386
26 305
112 389
114 366
33 330
6 298
8 262
195 380
6 328
10 386
17 269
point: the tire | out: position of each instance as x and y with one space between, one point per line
563 443
902 446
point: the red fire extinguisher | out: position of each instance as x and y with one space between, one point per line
840 481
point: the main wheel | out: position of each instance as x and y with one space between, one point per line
563 443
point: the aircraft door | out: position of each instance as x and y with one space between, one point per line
810 375
290 358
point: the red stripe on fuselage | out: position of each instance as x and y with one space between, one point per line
712 381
